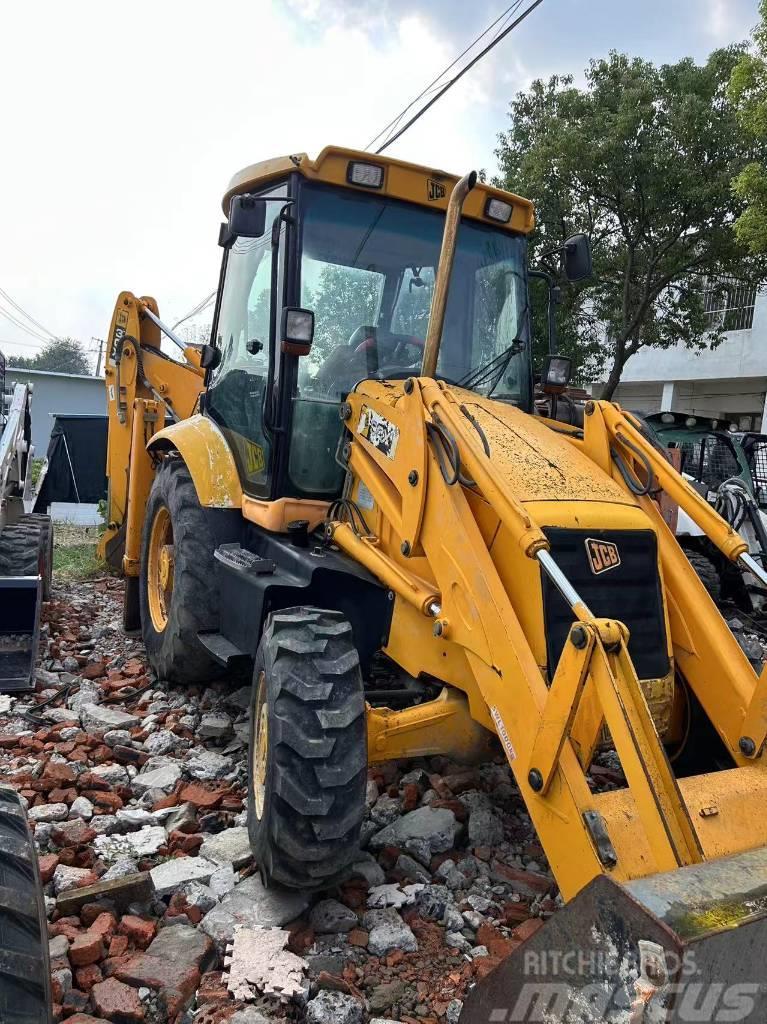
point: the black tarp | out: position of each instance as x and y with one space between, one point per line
77 458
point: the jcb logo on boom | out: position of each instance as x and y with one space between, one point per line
603 555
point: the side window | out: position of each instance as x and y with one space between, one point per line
238 386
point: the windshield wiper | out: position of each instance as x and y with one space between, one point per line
493 370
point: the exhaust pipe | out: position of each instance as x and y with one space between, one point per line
444 270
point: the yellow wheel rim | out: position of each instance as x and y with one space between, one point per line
260 748
160 568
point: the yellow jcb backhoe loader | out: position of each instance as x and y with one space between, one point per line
355 501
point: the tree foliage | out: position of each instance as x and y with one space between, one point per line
748 90
62 355
642 159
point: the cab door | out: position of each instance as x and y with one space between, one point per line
239 390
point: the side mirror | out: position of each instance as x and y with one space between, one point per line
576 258
297 330
247 219
556 374
210 357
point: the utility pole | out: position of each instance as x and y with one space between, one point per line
100 352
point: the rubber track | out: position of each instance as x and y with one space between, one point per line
25 993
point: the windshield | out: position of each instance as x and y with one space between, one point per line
367 270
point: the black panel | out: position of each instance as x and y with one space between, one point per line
629 592
314 575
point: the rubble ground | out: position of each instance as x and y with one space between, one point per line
136 791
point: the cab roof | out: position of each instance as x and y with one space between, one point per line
401 180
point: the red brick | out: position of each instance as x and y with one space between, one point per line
200 796
118 946
117 1001
85 1018
138 930
527 928
526 882
358 937
497 943
48 864
87 948
87 977
176 981
105 925
213 990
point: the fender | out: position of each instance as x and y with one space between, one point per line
203 447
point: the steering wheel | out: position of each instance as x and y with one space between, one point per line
386 347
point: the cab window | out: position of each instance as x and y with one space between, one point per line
238 387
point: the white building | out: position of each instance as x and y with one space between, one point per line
728 382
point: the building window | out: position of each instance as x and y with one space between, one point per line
729 303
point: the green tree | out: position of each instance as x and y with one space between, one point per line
344 299
62 355
642 159
748 90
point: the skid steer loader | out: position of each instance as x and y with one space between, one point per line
348 494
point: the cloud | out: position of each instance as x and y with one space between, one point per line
123 142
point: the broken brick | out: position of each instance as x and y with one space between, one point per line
117 1001
87 948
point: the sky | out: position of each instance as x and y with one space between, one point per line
122 122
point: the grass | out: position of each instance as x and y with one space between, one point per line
74 552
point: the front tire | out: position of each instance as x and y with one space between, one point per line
308 749
178 592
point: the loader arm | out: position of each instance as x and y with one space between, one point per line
143 387
448 577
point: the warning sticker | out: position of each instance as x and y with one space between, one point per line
504 736
364 497
379 431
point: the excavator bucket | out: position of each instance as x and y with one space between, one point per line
687 945
20 598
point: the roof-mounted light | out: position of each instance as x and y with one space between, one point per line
691 421
366 175
498 209
668 417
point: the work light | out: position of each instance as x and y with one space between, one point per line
497 209
297 330
367 175
556 374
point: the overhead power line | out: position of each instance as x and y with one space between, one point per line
17 323
201 305
24 313
467 67
442 74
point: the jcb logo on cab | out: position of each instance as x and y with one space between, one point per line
603 555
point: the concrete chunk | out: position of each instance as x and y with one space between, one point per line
97 717
173 873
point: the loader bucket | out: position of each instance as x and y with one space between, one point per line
20 598
687 945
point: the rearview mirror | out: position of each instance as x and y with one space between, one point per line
247 219
576 258
210 357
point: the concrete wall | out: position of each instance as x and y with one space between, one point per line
57 393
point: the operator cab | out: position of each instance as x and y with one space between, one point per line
363 260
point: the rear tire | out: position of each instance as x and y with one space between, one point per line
171 616
707 572
308 749
25 975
